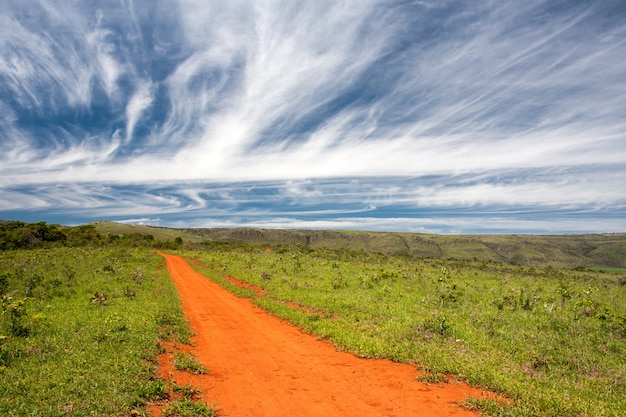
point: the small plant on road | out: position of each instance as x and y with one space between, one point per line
188 408
187 362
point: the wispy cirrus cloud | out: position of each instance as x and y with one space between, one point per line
333 108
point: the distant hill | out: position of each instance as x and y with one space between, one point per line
159 233
590 250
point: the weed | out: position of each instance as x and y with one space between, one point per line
16 311
187 362
99 298
167 319
366 282
436 324
138 275
266 276
32 281
526 302
487 406
338 282
432 378
4 283
620 326
5 354
564 292
189 408
173 325
188 392
155 390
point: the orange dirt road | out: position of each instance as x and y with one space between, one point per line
260 365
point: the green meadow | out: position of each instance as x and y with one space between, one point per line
80 330
84 312
551 341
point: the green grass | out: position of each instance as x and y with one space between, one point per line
432 378
189 408
188 392
80 330
187 362
610 270
551 340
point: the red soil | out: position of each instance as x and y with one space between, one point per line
260 365
260 292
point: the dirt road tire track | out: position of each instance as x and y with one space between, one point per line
260 365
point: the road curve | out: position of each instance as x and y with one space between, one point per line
260 365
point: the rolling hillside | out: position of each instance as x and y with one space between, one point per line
592 250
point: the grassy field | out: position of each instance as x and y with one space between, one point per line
551 340
80 330
540 320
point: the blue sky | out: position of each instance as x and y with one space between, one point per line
425 116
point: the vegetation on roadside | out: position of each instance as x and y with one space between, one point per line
181 400
190 408
187 362
551 340
80 330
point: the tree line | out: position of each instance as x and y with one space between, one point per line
21 235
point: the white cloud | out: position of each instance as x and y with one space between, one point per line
138 103
99 40
271 92
448 225
141 221
40 64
